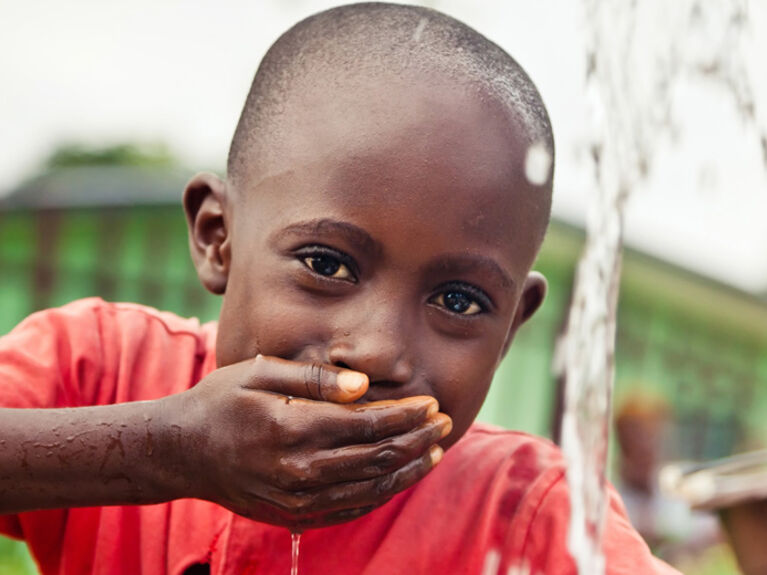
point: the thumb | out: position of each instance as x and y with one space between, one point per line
318 381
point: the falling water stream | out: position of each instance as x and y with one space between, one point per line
295 546
632 70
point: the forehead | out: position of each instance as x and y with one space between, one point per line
429 113
422 155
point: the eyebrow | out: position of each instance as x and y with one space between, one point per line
473 263
328 226
450 263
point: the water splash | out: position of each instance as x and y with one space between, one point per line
492 562
295 546
492 565
632 105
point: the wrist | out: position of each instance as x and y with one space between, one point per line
174 447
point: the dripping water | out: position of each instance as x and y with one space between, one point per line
295 544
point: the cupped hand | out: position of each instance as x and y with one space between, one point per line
282 442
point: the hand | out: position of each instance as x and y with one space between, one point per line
280 442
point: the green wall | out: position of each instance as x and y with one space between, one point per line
129 254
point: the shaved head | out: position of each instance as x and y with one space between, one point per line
343 50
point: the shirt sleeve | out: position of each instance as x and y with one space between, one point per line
545 546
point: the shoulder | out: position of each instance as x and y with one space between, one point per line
517 458
94 317
530 501
507 474
96 309
496 473
92 352
509 443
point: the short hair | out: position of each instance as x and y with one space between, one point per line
369 38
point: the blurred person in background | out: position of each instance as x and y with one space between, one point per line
671 529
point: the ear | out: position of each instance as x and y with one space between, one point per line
209 242
533 293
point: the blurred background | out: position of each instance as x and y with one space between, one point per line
108 108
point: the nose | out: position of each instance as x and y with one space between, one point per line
378 345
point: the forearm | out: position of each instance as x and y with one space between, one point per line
106 455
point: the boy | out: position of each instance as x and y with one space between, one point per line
373 243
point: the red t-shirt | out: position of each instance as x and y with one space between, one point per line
498 498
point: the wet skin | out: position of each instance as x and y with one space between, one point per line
374 260
393 237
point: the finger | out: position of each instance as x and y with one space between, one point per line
360 462
333 518
371 422
316 381
359 494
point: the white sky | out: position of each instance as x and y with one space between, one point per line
178 71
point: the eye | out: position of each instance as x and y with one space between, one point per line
327 263
462 301
328 266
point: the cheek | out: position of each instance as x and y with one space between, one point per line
270 320
461 388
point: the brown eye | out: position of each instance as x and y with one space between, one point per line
458 302
328 266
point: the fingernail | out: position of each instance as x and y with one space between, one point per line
432 410
350 381
436 453
447 427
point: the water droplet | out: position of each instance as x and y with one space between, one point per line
419 30
295 543
492 562
537 164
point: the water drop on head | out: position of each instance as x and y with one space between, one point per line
537 164
419 30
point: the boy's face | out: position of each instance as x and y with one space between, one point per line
390 231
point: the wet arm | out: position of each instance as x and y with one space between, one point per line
86 456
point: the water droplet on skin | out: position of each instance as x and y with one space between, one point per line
537 164
419 30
